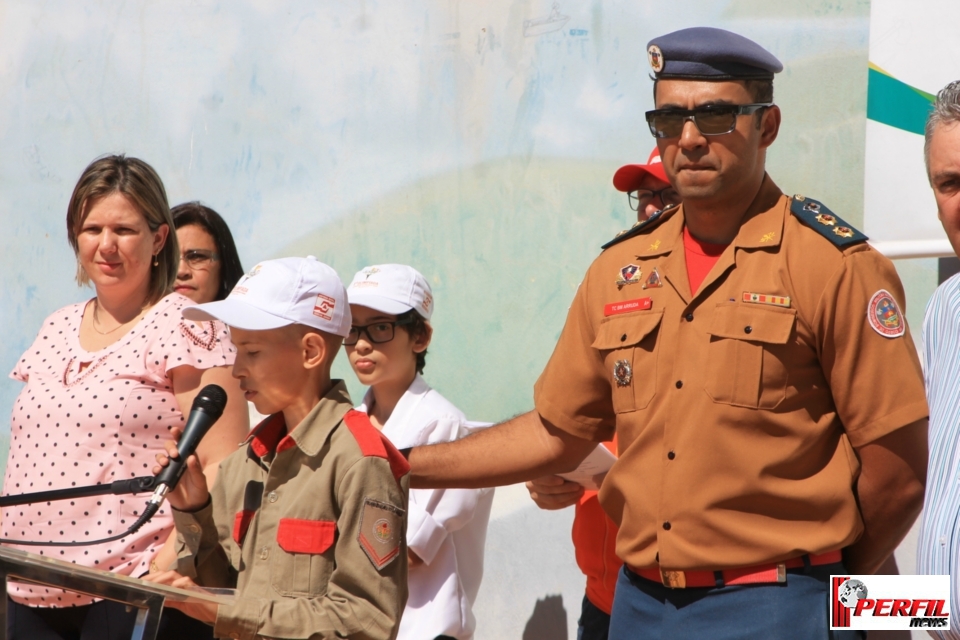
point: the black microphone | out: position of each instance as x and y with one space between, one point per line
207 409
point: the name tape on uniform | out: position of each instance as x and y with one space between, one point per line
640 304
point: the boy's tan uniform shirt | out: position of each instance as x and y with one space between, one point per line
738 408
309 527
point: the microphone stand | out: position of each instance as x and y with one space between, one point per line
120 487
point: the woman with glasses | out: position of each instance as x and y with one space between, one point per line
209 264
391 306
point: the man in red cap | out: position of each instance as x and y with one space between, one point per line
646 186
594 533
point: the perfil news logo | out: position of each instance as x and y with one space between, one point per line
889 602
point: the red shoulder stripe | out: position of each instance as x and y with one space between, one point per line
373 443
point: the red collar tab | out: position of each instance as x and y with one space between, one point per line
270 436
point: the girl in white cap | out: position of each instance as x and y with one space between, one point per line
446 528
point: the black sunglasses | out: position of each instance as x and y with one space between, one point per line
711 120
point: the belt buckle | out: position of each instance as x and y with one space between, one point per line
674 579
782 572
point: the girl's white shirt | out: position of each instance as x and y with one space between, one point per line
446 528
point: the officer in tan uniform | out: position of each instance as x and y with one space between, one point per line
750 352
307 519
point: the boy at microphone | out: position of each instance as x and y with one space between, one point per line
307 518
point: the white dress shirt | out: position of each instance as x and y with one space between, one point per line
938 549
446 528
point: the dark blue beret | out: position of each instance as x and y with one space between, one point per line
705 53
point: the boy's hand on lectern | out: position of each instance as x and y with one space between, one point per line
202 611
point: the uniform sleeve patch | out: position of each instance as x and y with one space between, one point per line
374 443
884 315
380 531
305 536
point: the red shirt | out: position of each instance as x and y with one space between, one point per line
700 256
595 543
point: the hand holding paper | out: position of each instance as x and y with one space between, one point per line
593 469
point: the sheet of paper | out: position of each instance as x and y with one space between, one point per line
591 471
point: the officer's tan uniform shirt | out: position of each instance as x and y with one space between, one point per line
738 420
310 528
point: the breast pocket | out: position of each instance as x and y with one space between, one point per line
628 346
746 355
302 564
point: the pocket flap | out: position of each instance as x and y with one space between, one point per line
241 522
772 325
306 536
627 330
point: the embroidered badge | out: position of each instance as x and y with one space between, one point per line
767 237
654 246
366 282
655 57
380 529
324 306
622 373
629 274
884 315
844 232
826 219
640 304
239 289
763 298
653 280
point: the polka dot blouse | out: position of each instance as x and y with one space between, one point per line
75 425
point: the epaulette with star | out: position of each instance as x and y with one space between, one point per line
818 217
639 227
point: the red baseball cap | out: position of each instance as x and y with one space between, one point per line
628 177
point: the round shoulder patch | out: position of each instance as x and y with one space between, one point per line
884 315
655 57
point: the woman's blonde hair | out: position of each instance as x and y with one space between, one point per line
141 185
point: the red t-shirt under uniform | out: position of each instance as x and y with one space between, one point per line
700 258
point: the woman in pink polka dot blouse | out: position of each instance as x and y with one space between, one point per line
104 382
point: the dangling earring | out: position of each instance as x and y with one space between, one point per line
156 262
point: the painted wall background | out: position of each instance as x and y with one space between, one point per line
475 141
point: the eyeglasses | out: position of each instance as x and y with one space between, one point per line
711 120
199 258
640 198
377 333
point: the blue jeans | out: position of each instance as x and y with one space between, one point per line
793 610
594 624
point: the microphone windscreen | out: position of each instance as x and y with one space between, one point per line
212 399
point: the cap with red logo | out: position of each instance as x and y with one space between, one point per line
628 177
281 292
391 288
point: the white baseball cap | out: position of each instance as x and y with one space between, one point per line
391 288
277 293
